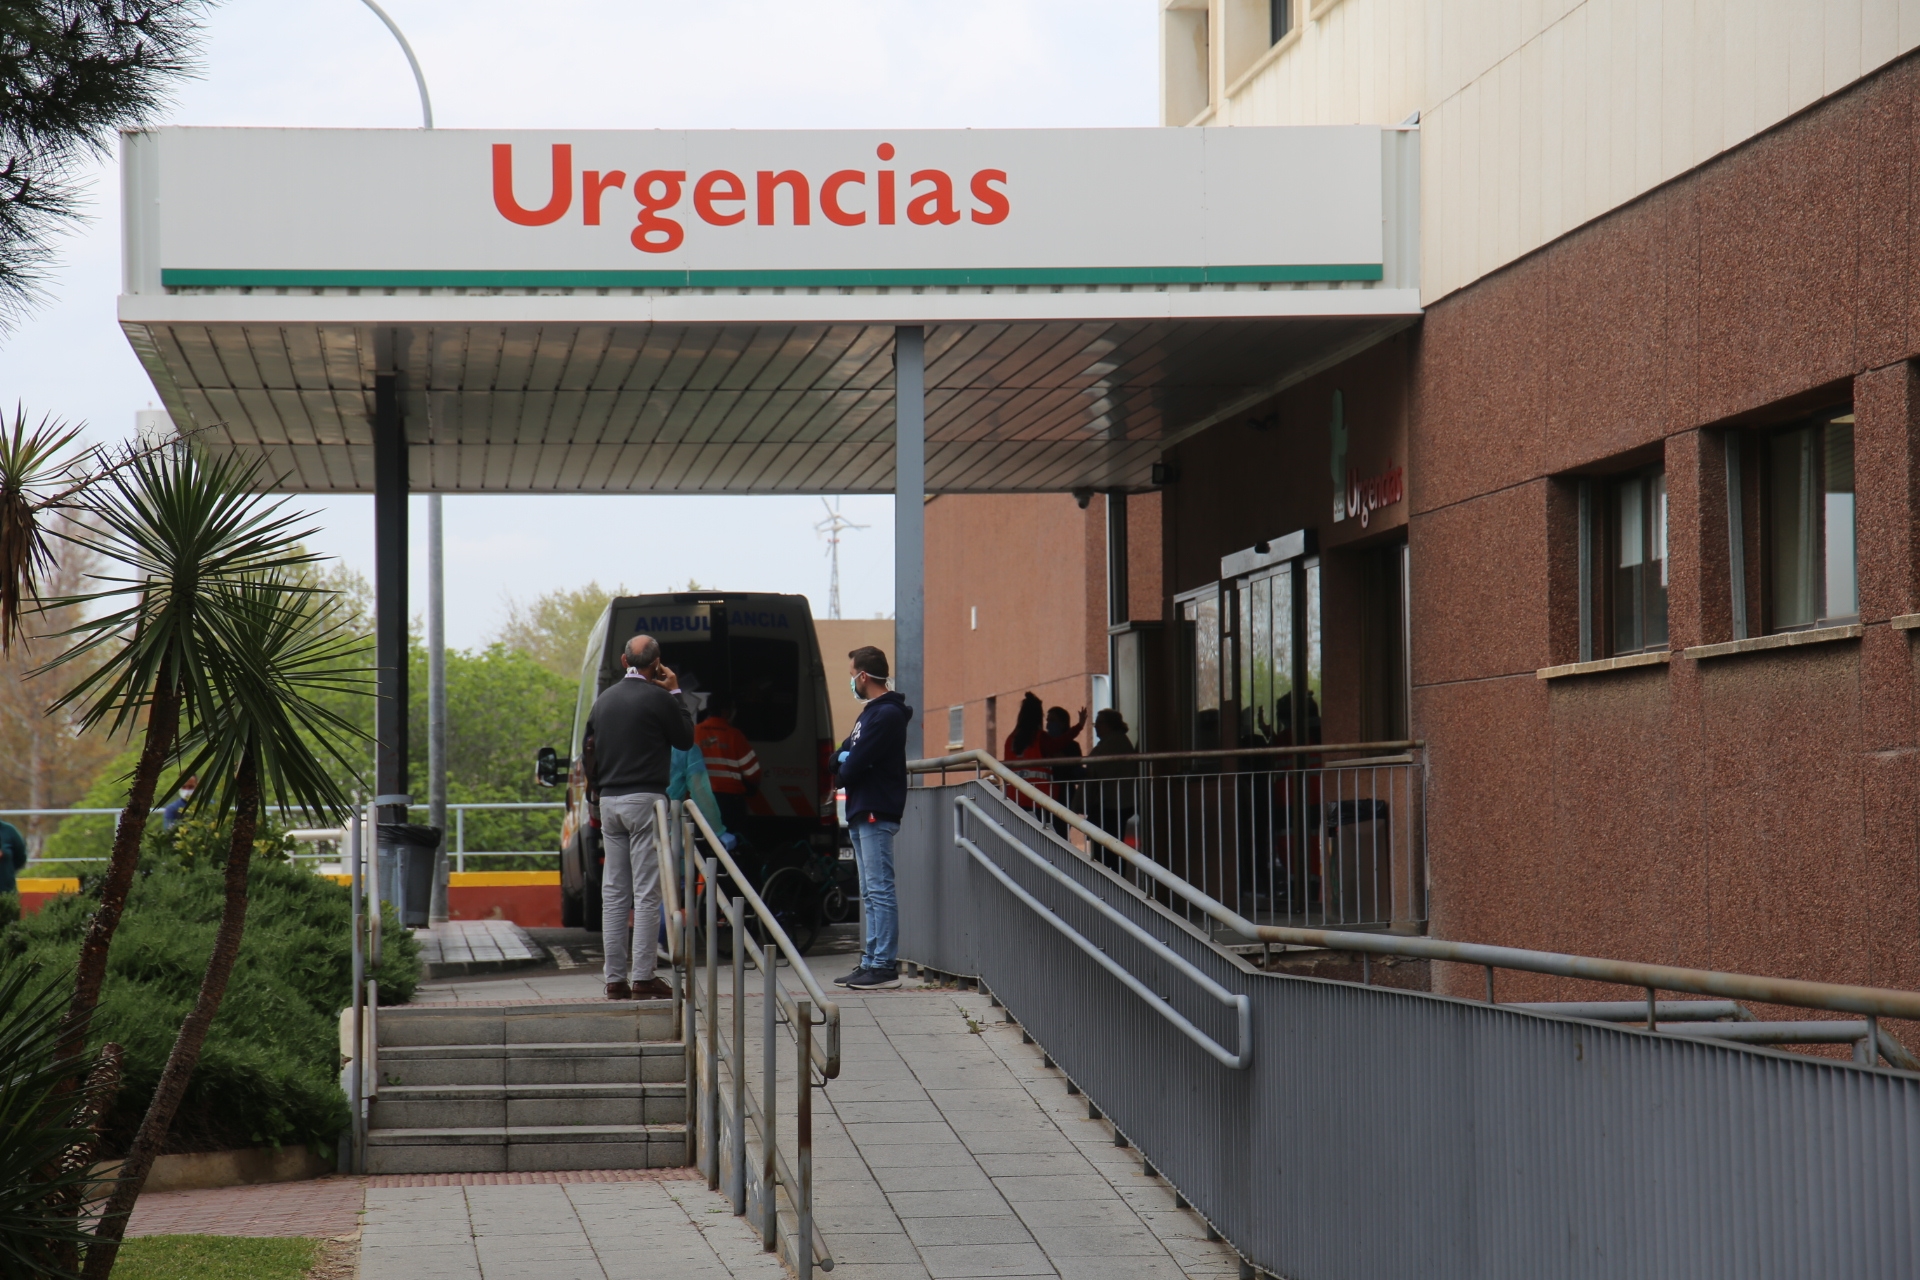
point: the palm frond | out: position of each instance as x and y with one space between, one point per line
182 528
42 1124
31 459
279 646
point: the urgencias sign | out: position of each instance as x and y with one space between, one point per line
720 197
489 209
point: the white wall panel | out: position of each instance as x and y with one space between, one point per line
1540 115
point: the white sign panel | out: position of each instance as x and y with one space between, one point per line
491 209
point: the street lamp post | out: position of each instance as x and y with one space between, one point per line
436 593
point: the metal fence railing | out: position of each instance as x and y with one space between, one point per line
457 851
1353 1130
1285 835
737 1116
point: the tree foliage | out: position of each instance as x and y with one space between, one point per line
552 630
72 73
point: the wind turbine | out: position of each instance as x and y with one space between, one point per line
831 528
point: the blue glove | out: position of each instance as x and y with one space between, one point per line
731 841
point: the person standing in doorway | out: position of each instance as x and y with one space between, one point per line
872 764
631 735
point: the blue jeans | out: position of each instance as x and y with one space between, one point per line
873 854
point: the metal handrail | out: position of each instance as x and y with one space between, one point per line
669 888
776 1171
1876 1002
1242 1006
830 1012
964 760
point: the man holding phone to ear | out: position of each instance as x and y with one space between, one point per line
628 758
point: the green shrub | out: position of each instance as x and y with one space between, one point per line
270 1072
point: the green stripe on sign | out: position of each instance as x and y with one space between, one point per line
187 277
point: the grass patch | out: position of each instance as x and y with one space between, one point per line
215 1258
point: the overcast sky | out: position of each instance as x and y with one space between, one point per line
601 64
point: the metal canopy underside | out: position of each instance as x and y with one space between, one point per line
1023 406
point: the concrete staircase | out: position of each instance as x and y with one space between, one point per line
475 1088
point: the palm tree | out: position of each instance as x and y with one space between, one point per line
190 538
50 1101
279 646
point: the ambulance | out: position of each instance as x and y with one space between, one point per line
761 651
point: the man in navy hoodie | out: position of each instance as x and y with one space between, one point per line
872 764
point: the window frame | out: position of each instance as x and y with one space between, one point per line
1600 536
1752 528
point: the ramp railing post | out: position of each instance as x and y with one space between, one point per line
803 1121
769 1132
710 1088
739 1056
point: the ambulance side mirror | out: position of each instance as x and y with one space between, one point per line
550 767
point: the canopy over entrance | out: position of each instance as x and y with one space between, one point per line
744 312
714 312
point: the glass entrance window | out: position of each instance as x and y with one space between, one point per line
1201 650
1810 539
1278 657
1637 562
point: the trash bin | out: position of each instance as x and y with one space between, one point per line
1360 848
406 870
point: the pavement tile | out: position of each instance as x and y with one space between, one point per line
1141 1268
879 1271
864 1112
1055 1186
985 1229
1047 1163
938 1177
946 1204
1075 1213
900 1154
853 1247
1099 1242
965 1261
866 1135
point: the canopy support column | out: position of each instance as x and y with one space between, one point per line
437 702
909 516
390 594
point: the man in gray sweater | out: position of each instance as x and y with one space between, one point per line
631 733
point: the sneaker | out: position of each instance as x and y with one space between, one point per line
652 989
619 991
873 979
847 980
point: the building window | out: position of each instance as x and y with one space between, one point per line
1280 19
1809 518
1637 562
1623 564
957 729
1200 653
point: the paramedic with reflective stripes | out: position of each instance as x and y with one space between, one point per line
732 767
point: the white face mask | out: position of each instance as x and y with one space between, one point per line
853 682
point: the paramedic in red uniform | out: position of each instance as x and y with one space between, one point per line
732 766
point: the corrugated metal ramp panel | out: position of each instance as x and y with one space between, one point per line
1393 1135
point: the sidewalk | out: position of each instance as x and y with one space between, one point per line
947 1152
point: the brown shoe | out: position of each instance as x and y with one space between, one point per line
619 991
652 989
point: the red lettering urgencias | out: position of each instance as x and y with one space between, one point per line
995 202
558 202
670 183
593 185
714 188
796 184
830 197
933 206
